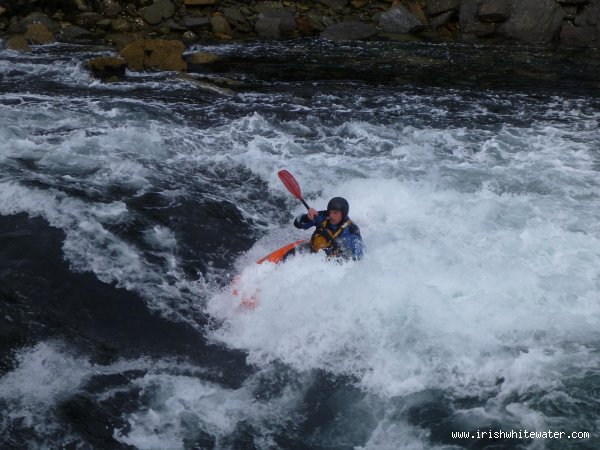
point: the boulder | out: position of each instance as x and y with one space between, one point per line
336 5
202 58
398 19
88 19
107 68
83 5
573 36
2 10
441 20
39 34
158 11
468 11
111 8
18 43
120 25
37 17
193 23
435 7
287 22
76 35
533 20
347 31
268 28
122 40
154 54
234 15
574 2
494 10
199 2
590 15
220 25
478 28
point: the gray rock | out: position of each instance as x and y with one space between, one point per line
478 28
220 25
175 26
347 31
84 5
111 8
494 10
107 68
336 5
590 15
196 22
73 34
37 17
88 19
120 25
573 36
468 11
316 22
533 20
268 28
570 12
435 7
287 23
234 15
441 20
399 20
161 9
574 2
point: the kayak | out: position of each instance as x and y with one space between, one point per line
276 257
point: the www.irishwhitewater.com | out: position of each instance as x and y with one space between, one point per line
520 434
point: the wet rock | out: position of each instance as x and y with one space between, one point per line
268 28
104 24
84 5
336 5
193 23
39 18
120 25
570 12
39 34
494 11
122 40
174 26
590 15
76 35
399 20
220 25
287 22
533 20
107 68
478 28
89 19
574 2
234 15
573 36
157 12
199 2
18 43
347 31
441 20
316 22
154 54
111 8
202 58
2 10
416 9
435 7
468 11
189 36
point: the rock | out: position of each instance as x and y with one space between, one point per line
533 20
154 54
316 22
39 34
478 28
120 25
199 2
416 9
590 15
37 17
435 7
220 25
359 4
234 15
573 36
202 58
570 12
468 11
83 5
347 31
2 10
161 9
111 8
122 40
336 5
104 24
268 28
18 43
399 20
107 68
441 20
174 26
494 10
196 22
89 19
574 2
76 35
189 36
287 22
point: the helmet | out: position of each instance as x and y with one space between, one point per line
339 204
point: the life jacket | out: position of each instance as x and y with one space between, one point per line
323 238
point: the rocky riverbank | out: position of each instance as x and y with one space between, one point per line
154 34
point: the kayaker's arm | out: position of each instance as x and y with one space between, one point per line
304 223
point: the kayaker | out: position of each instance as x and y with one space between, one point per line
336 234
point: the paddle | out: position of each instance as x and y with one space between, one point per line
292 185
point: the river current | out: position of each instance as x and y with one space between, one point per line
126 208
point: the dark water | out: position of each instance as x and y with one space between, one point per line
126 208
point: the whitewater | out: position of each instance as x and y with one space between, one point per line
476 306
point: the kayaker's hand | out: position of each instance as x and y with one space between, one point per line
312 214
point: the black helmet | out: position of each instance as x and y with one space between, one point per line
339 204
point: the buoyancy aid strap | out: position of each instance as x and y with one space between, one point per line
331 237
